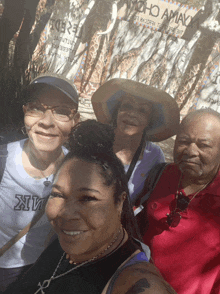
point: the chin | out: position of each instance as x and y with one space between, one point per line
191 172
74 244
49 146
132 131
74 249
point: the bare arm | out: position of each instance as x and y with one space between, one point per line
142 278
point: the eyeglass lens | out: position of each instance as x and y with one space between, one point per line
61 113
182 201
173 219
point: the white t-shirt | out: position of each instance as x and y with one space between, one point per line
21 197
151 157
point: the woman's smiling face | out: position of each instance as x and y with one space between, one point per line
82 210
46 133
133 115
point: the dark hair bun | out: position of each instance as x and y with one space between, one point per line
91 137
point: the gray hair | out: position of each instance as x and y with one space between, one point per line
200 113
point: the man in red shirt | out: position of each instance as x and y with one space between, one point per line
184 209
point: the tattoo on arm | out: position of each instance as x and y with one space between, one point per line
139 287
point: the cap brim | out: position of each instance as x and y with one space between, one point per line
59 84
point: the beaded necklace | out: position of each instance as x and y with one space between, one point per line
46 283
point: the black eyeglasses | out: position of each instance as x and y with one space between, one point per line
60 113
174 217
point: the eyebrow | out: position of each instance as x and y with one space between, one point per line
83 189
71 105
87 189
141 103
200 140
206 140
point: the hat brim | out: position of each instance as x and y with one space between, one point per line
166 115
57 83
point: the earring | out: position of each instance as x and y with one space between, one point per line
23 130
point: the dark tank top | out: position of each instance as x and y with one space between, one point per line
88 279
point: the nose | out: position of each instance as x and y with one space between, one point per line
191 150
47 120
68 212
133 111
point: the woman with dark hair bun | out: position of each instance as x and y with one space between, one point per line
89 210
93 141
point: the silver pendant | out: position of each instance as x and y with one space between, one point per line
44 285
47 183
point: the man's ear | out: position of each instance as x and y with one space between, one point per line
76 118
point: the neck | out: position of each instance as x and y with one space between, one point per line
42 159
125 145
125 141
191 185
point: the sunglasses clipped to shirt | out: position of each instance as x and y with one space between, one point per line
182 203
60 113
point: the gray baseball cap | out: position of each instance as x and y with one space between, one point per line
59 84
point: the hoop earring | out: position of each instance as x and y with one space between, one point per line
23 130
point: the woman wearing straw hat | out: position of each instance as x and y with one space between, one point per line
141 115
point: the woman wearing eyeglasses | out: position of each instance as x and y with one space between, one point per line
30 166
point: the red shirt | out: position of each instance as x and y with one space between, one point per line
188 256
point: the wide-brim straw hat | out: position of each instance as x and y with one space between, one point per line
165 117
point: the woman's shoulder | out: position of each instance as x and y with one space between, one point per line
11 151
11 146
153 153
137 275
150 146
141 278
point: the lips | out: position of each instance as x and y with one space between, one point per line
130 122
73 233
189 162
46 134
